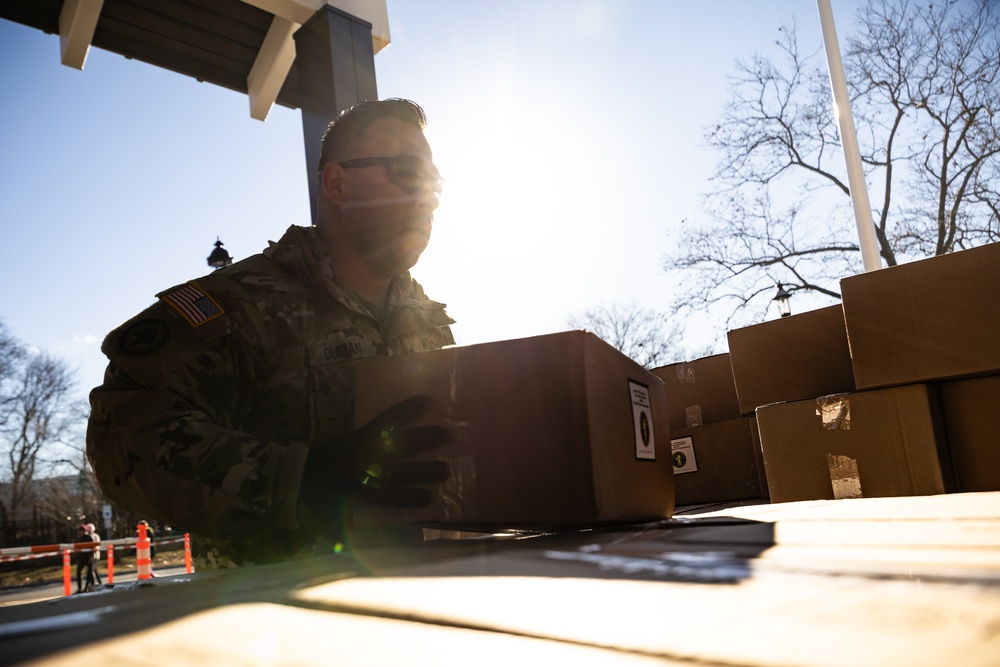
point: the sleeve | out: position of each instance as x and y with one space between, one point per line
163 436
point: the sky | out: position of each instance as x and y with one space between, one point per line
570 134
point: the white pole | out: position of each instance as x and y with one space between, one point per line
849 138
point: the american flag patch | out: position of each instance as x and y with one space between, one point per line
193 303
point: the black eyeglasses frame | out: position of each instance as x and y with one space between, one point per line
396 168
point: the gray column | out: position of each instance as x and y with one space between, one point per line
336 68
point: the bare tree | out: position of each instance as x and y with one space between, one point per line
924 79
70 499
11 356
39 416
644 335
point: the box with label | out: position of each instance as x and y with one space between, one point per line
934 319
886 442
700 391
972 420
791 359
555 429
717 463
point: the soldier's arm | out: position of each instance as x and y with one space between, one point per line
162 436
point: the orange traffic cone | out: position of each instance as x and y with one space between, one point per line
143 564
187 554
67 576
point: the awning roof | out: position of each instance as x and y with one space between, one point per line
245 46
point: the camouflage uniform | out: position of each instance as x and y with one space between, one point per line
215 392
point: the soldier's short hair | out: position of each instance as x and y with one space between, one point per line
351 125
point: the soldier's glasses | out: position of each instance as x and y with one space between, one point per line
403 172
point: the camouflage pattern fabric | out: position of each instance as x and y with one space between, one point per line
214 393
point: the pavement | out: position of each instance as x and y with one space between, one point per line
16 595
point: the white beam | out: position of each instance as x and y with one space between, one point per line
296 11
271 66
77 22
300 11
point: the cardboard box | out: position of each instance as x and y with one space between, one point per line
718 462
935 319
556 429
791 359
888 442
700 391
972 421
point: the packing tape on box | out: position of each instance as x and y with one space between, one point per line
692 416
844 477
685 373
834 411
457 493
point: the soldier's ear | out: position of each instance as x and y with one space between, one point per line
332 182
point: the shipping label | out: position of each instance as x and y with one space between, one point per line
682 454
642 421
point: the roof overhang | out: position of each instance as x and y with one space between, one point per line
243 45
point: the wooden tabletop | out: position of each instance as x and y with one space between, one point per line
878 581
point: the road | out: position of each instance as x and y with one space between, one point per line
25 594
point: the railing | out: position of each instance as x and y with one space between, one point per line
49 550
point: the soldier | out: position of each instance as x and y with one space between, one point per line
227 406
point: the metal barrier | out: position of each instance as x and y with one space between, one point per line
143 561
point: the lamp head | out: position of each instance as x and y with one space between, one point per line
782 296
219 257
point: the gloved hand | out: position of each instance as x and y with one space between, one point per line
371 466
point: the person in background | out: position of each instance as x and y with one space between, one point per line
95 537
228 405
150 535
84 560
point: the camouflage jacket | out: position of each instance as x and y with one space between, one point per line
214 393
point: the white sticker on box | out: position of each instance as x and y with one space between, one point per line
682 454
642 420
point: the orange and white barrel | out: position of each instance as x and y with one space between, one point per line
143 564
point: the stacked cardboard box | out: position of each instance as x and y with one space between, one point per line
937 320
716 454
788 360
886 442
929 320
972 421
551 430
895 393
699 392
792 358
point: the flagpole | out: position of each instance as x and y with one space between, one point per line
849 139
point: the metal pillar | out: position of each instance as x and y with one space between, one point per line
336 68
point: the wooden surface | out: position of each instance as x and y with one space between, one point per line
879 581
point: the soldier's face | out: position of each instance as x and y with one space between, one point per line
387 214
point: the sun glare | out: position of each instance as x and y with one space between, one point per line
514 210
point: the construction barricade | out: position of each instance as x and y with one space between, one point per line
142 544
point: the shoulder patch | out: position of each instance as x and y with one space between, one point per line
146 336
192 303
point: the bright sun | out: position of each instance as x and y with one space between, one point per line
513 215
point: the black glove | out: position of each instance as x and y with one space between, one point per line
370 465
